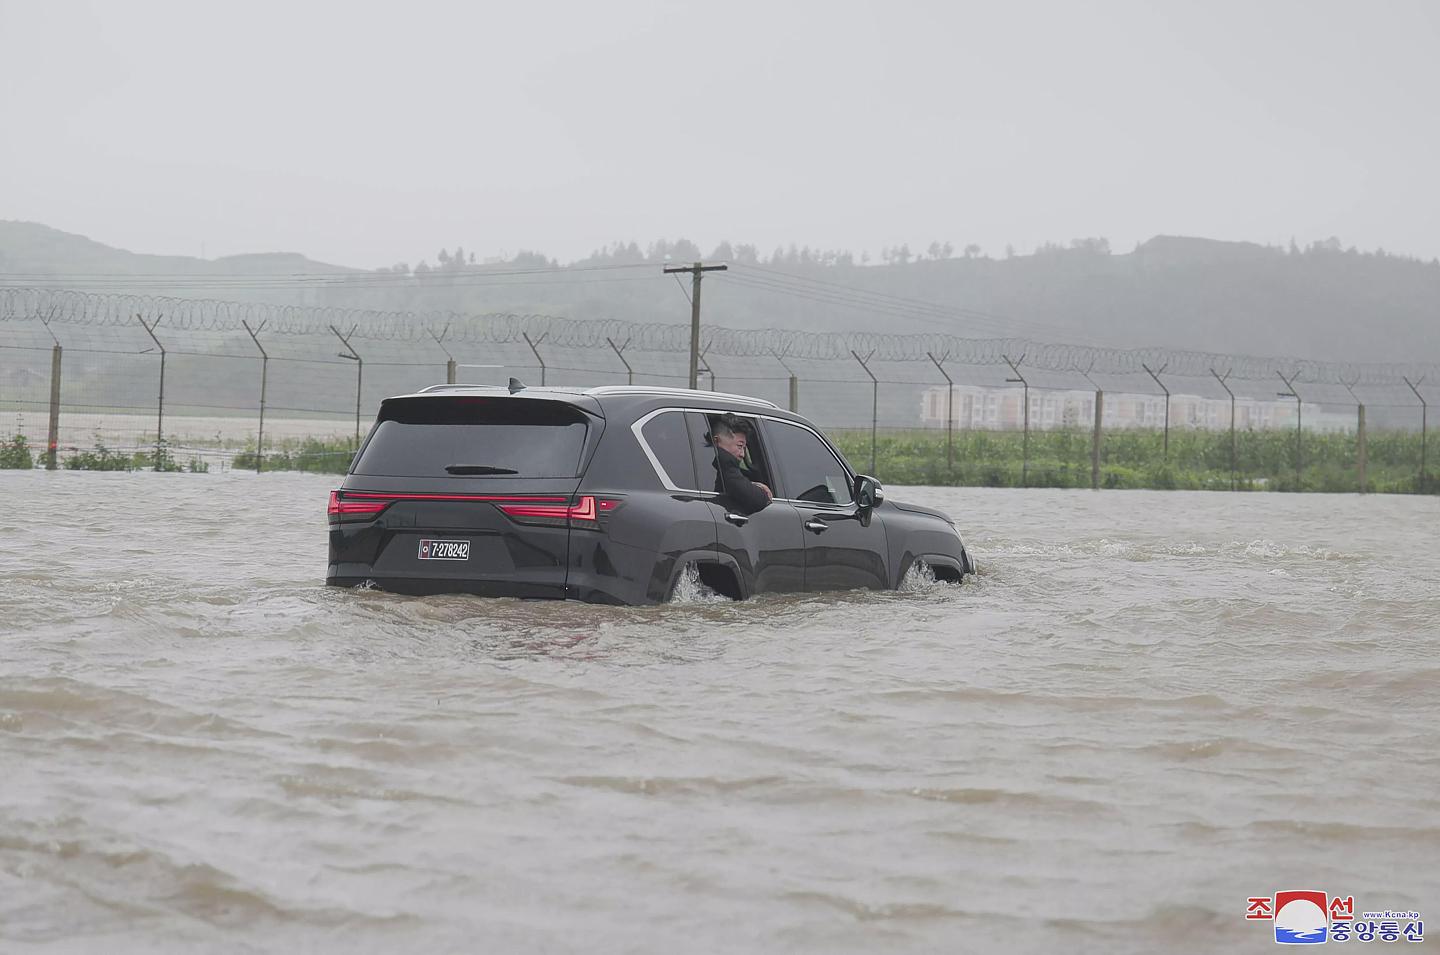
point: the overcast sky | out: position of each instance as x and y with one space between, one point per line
371 133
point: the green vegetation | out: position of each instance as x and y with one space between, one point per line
311 454
100 459
15 454
1198 460
163 460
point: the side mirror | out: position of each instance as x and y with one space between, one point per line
868 492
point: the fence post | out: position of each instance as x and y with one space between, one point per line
536 350
794 382
949 409
1095 439
1299 435
1360 445
1424 409
450 366
704 365
874 402
359 373
1156 376
53 439
620 354
160 413
1234 458
1360 450
264 378
1025 441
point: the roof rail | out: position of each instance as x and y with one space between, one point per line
676 392
452 387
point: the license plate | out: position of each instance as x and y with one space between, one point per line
444 550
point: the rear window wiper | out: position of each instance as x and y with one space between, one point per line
478 469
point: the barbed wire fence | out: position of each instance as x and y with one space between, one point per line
247 385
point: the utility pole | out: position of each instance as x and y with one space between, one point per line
696 271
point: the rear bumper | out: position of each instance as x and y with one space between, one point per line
586 587
427 586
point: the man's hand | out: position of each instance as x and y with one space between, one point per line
769 495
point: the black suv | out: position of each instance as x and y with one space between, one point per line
609 495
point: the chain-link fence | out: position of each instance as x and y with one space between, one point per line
115 381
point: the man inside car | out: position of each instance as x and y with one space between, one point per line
728 433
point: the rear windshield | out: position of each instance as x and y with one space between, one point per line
475 437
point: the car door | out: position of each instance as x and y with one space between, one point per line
767 546
675 519
845 548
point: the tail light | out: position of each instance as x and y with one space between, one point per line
345 507
585 514
554 511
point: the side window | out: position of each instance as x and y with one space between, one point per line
702 452
808 471
754 465
668 440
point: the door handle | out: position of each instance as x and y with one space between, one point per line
739 520
816 525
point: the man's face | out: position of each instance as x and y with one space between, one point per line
732 443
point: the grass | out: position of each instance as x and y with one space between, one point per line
15 454
331 456
1197 460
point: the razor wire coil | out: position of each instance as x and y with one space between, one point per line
71 307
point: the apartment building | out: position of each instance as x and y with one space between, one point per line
998 409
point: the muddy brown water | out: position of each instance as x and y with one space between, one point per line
1148 707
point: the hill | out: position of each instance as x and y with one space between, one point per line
1321 302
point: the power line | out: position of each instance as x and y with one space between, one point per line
913 309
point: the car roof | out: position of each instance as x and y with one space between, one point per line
601 392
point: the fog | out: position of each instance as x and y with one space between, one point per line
367 133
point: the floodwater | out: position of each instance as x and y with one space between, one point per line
1148 708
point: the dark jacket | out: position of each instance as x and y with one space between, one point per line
731 481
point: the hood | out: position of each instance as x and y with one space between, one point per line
918 509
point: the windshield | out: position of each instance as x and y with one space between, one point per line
469 436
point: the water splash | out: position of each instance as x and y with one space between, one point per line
689 589
919 579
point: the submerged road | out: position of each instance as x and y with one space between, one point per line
1149 707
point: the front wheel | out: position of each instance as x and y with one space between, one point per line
924 576
702 583
919 578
